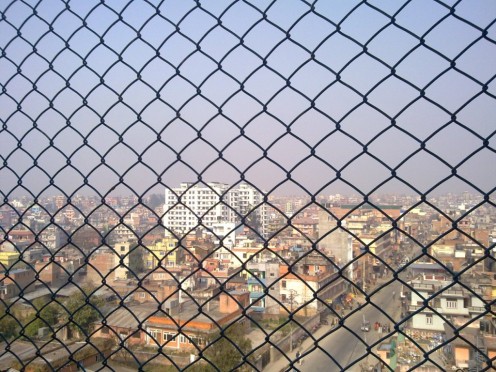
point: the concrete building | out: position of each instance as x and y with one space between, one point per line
313 275
192 206
261 279
453 302
122 254
52 237
51 273
16 281
196 327
164 253
335 242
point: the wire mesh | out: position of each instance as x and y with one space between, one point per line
106 105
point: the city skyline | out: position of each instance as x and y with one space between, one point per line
248 185
354 95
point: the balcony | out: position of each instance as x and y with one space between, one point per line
476 309
444 311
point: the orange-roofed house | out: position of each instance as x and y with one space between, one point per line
196 325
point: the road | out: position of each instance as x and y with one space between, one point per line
341 349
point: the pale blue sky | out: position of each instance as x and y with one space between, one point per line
102 65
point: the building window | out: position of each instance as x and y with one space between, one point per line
428 319
283 283
169 336
182 339
195 340
451 304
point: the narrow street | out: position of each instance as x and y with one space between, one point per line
341 349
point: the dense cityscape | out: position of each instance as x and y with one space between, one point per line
248 185
289 275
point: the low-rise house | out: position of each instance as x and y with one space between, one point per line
51 273
16 281
9 259
21 237
156 291
306 226
216 277
165 253
122 233
471 349
101 266
187 327
125 324
86 238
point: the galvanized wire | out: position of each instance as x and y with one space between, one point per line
64 131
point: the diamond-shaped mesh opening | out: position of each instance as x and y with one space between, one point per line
243 185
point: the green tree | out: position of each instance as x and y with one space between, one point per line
49 311
136 261
32 327
223 354
83 307
44 314
9 328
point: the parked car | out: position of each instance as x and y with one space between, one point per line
365 326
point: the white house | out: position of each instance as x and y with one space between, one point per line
452 302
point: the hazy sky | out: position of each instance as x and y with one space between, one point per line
153 93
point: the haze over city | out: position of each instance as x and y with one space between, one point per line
248 185
143 96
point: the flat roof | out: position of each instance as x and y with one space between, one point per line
426 265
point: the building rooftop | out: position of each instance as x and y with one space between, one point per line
131 316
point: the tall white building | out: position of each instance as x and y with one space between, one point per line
194 205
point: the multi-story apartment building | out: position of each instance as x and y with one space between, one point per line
121 260
453 302
264 294
203 205
122 233
313 275
9 259
52 237
165 253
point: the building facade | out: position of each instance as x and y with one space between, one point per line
192 206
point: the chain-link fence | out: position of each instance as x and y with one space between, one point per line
247 185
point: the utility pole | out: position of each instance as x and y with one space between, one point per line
292 296
363 274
